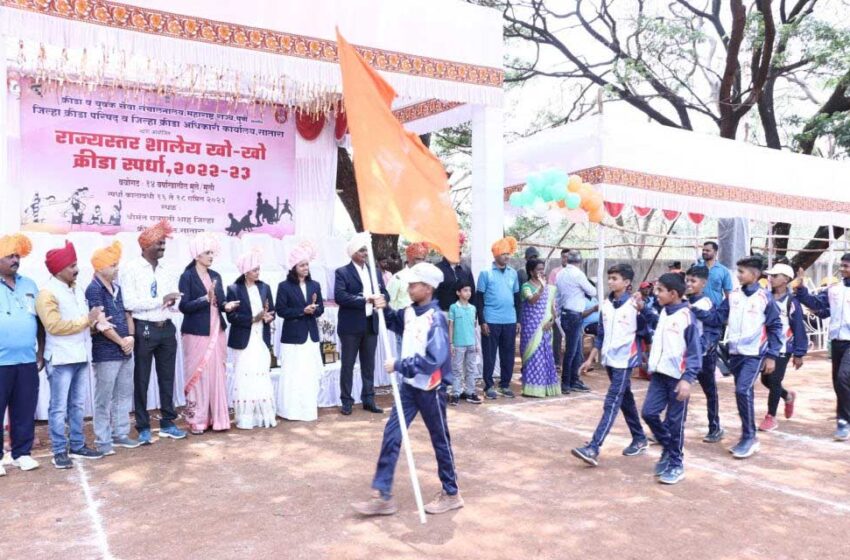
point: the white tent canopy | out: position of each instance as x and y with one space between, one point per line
648 165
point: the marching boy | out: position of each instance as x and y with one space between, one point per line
675 362
623 318
834 302
710 329
425 366
753 336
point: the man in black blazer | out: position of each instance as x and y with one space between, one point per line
358 323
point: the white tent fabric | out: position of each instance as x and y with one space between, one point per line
649 165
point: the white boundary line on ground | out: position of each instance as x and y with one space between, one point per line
694 462
94 515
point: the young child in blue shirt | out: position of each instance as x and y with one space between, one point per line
710 330
426 369
675 362
465 350
795 344
753 336
623 317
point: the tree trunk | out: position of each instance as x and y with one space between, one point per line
780 244
817 246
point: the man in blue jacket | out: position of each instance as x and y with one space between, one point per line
425 367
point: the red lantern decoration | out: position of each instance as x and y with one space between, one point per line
614 209
341 125
696 218
670 214
641 211
309 126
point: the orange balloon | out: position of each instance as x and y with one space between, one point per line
596 216
575 183
594 203
562 204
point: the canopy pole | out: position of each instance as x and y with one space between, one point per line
402 423
769 244
831 251
600 263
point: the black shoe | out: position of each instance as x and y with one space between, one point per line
473 398
454 400
580 387
636 447
85 453
586 454
62 461
565 390
372 407
463 396
714 436
662 463
346 410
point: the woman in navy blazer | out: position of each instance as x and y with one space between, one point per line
250 337
204 349
299 302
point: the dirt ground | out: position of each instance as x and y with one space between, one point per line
285 492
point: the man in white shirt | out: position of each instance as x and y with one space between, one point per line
573 287
150 294
557 339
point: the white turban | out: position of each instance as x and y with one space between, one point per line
426 273
357 242
249 261
202 243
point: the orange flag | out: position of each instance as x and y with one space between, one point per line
403 187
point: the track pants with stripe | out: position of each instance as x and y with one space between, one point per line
432 406
669 432
619 397
746 370
709 386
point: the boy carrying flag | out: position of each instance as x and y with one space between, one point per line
623 318
710 329
753 335
675 362
425 365
834 302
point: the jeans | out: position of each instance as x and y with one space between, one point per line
113 399
464 361
502 340
432 405
353 345
557 341
841 378
671 432
773 382
745 369
160 344
619 397
19 391
708 383
573 334
67 402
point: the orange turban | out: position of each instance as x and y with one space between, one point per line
504 245
17 244
106 257
155 234
416 251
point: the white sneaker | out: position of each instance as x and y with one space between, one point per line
25 463
6 459
2 471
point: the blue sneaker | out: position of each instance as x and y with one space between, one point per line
172 432
842 431
636 447
662 464
145 437
745 448
586 454
672 475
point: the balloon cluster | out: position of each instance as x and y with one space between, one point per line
554 190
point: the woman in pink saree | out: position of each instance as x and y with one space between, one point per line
204 345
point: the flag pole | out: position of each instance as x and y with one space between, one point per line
388 350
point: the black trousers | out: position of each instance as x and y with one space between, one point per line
841 378
353 345
19 391
154 344
774 384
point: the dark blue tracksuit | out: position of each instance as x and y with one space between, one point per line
746 369
431 404
712 329
619 396
796 344
670 432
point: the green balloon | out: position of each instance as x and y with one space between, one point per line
573 200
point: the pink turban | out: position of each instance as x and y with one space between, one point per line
302 252
202 243
249 261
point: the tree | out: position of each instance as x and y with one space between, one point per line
686 62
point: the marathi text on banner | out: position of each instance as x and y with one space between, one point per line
99 161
